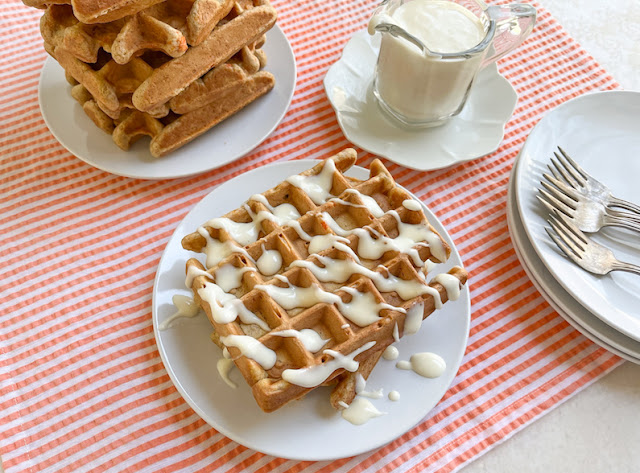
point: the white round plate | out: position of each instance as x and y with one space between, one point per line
600 132
574 313
475 132
308 429
227 141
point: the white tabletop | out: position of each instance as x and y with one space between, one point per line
597 430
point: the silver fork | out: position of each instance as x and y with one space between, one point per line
588 215
587 185
582 250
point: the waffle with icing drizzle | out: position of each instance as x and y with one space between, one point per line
306 283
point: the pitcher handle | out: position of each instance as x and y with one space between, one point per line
513 24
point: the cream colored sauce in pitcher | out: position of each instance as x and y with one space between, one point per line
431 51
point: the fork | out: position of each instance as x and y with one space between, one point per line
587 185
588 215
582 250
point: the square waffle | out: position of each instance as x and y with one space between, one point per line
308 283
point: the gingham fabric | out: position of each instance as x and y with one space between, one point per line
83 387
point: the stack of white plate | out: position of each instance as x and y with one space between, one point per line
601 131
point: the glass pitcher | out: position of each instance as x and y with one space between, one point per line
421 87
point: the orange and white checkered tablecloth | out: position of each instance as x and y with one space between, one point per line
83 388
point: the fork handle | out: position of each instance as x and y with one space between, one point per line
629 224
625 204
628 267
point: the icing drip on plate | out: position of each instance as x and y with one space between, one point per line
186 306
360 411
427 365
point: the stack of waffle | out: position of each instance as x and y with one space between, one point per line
346 259
169 69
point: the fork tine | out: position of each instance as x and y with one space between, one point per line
566 236
575 165
564 188
567 251
554 171
563 172
568 224
558 193
574 173
555 203
549 207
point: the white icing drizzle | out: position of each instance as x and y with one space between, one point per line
192 273
429 266
394 396
374 246
360 411
343 326
451 285
225 307
340 270
186 306
343 404
269 262
215 250
318 186
361 386
390 353
309 338
281 213
409 234
396 335
363 309
338 200
251 348
229 277
298 228
428 365
320 243
413 321
411 204
224 367
293 297
243 233
315 375
335 270
368 201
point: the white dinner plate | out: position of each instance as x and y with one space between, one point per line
600 131
478 130
574 313
227 141
308 429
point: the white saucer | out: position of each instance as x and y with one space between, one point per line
227 141
600 132
574 313
476 132
308 429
